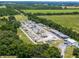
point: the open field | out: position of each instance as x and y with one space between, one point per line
56 43
69 21
51 11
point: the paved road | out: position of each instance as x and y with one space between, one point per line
63 49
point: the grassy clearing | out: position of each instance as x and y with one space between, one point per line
51 11
23 37
69 52
69 21
20 17
56 43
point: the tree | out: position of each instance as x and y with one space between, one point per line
11 24
10 44
36 50
8 11
76 52
52 52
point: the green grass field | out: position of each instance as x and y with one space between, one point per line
51 11
69 21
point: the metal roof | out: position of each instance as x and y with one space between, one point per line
59 34
71 40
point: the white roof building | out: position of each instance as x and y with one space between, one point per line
71 41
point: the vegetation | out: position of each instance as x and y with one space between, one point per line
33 6
50 53
11 24
9 41
44 5
43 51
69 21
20 17
21 35
2 21
7 11
76 52
53 12
69 52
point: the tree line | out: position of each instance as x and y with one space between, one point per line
33 6
61 13
76 52
41 13
8 11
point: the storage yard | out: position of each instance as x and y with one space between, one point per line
39 33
